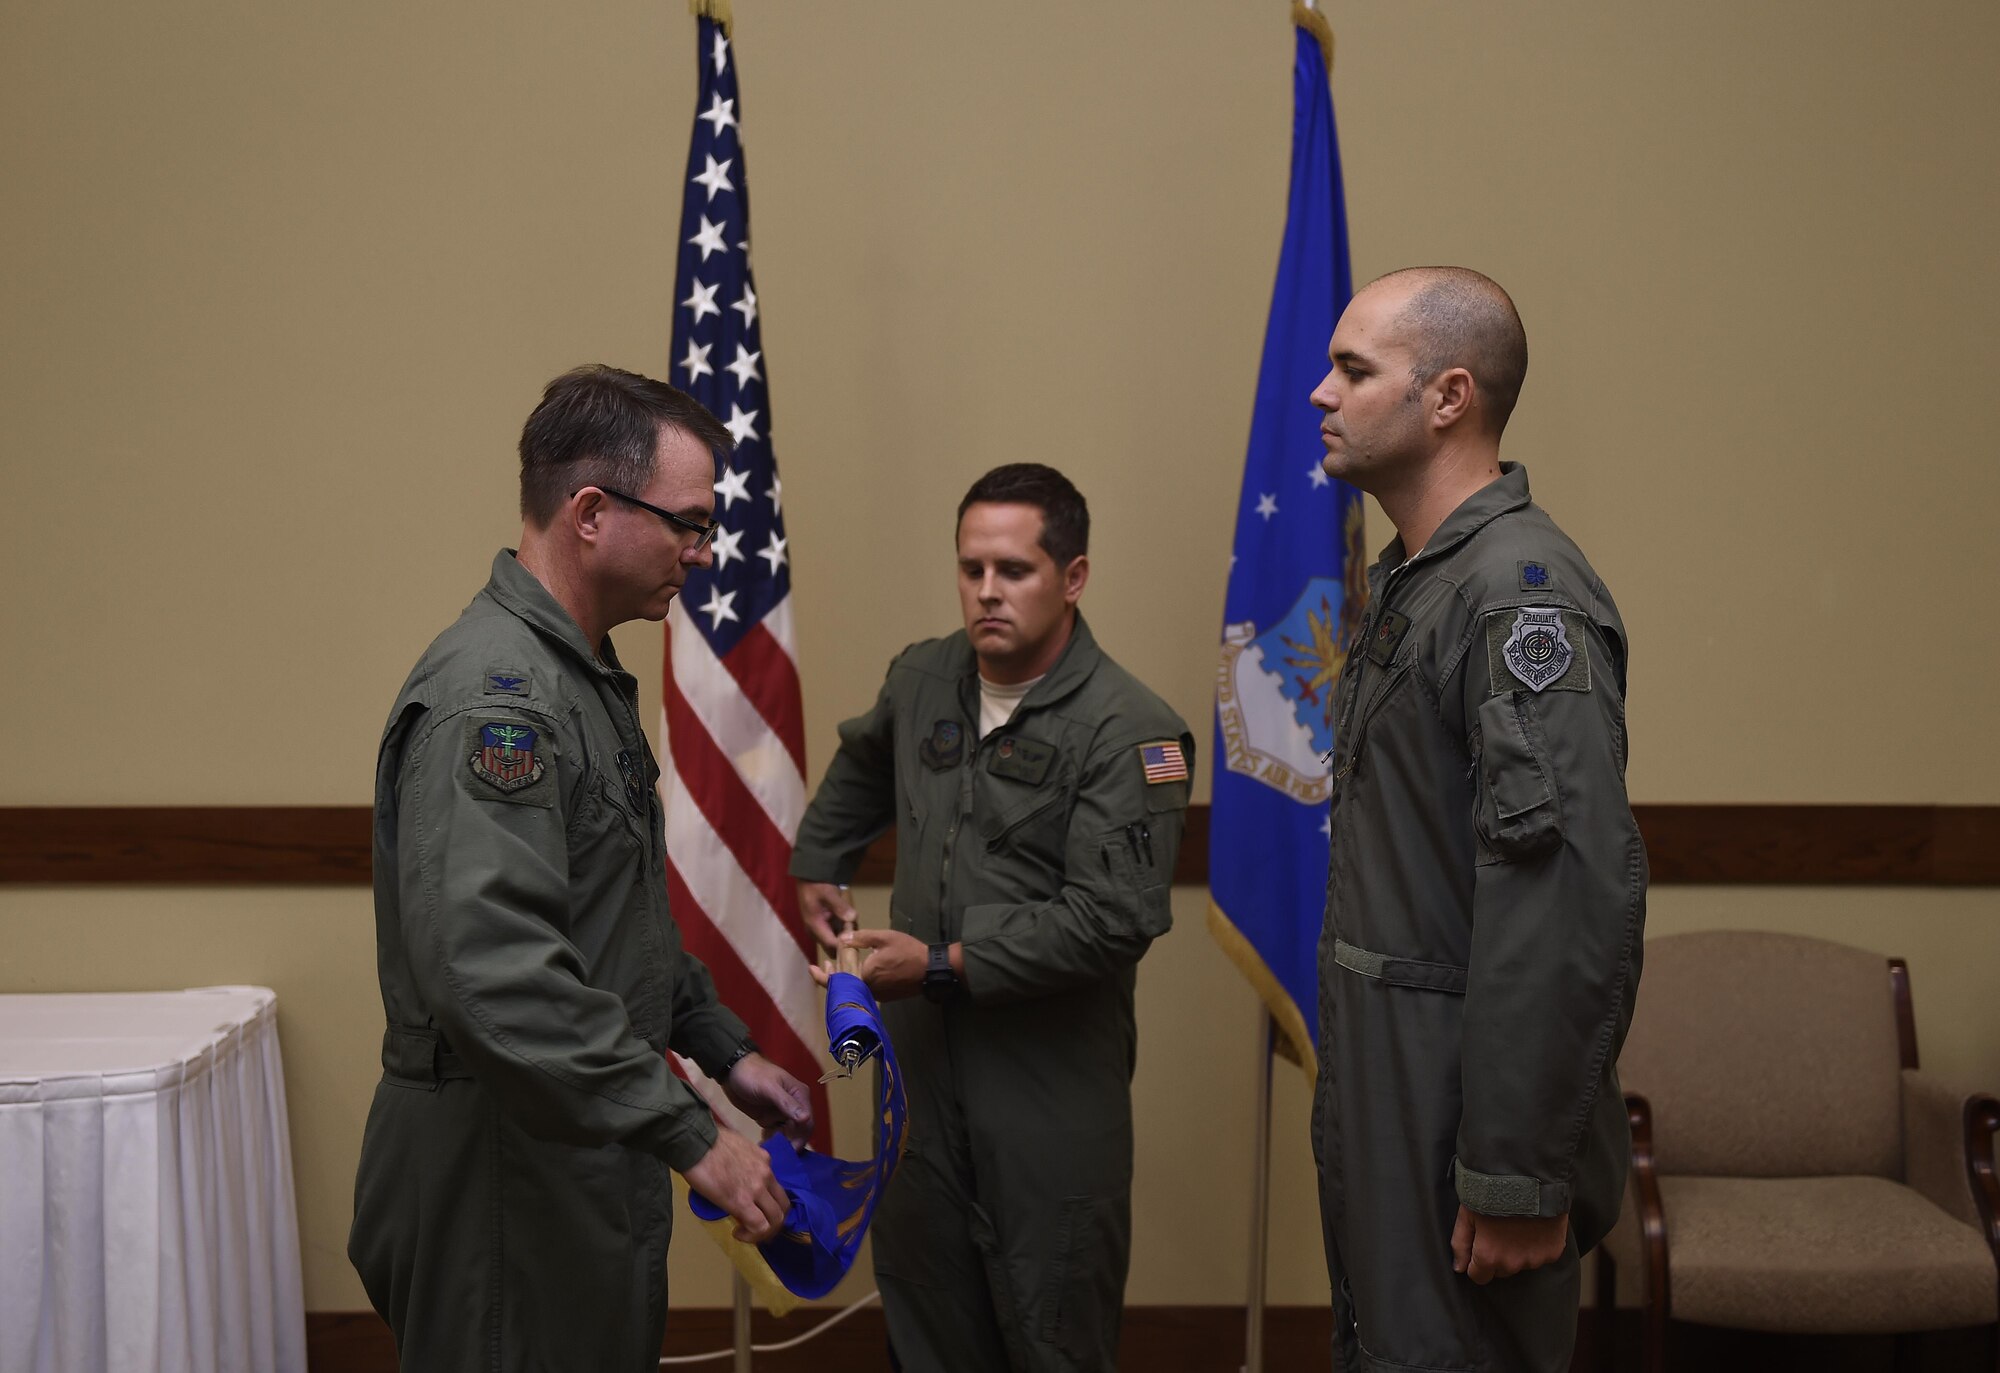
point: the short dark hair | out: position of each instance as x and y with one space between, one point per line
1065 518
1461 318
600 426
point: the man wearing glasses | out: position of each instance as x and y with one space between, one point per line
1037 790
512 1207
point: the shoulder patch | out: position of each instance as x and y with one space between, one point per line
1535 576
509 758
1163 761
1540 648
506 681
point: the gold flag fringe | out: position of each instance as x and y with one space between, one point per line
718 10
1313 22
764 1284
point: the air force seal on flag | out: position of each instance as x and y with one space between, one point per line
1536 649
1274 693
505 758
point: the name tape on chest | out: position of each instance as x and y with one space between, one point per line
1543 648
1163 762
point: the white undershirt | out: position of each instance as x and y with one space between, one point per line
996 703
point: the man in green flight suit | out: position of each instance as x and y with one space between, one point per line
512 1207
1037 791
1481 947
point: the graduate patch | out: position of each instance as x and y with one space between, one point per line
635 778
1543 649
1163 762
945 746
1388 637
505 758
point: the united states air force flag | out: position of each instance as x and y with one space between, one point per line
1296 587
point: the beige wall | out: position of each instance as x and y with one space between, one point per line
282 282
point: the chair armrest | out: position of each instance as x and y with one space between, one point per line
1652 1211
1948 1141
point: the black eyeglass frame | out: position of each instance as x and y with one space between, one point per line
704 533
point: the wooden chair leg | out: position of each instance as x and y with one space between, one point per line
1655 1359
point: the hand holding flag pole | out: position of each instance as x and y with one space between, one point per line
831 1200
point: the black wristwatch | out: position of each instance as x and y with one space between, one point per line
736 1056
940 982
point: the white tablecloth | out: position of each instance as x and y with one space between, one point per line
146 1214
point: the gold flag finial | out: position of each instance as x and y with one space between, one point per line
718 10
1313 22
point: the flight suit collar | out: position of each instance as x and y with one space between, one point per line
1507 492
1080 657
522 594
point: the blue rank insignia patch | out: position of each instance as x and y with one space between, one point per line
505 758
1535 576
506 681
1542 648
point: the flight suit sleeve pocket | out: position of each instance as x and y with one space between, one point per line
1128 854
1519 810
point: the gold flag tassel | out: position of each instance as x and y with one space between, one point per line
1303 15
718 10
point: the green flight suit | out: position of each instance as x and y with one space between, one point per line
513 1204
1481 947
1003 1241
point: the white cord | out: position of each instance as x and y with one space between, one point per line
793 1343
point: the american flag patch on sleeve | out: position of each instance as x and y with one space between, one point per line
1163 762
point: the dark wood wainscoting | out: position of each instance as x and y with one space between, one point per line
1209 1339
328 845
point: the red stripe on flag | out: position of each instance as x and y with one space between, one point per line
738 989
739 818
770 679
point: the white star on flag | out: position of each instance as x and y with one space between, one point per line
716 176
720 54
1317 476
747 305
741 426
709 239
744 369
718 605
727 546
733 486
721 113
777 495
696 362
774 552
1267 505
701 300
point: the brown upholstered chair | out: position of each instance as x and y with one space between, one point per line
1792 1168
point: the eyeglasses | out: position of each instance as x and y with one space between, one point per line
704 534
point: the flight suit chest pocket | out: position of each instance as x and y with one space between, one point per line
1520 806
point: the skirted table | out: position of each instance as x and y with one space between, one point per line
147 1221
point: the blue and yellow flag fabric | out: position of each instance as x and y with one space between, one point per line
832 1200
1296 589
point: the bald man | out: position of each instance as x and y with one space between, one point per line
1481 945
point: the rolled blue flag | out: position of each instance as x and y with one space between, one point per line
1296 588
832 1200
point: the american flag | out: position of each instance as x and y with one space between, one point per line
733 780
1164 762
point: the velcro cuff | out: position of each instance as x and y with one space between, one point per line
1508 1194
